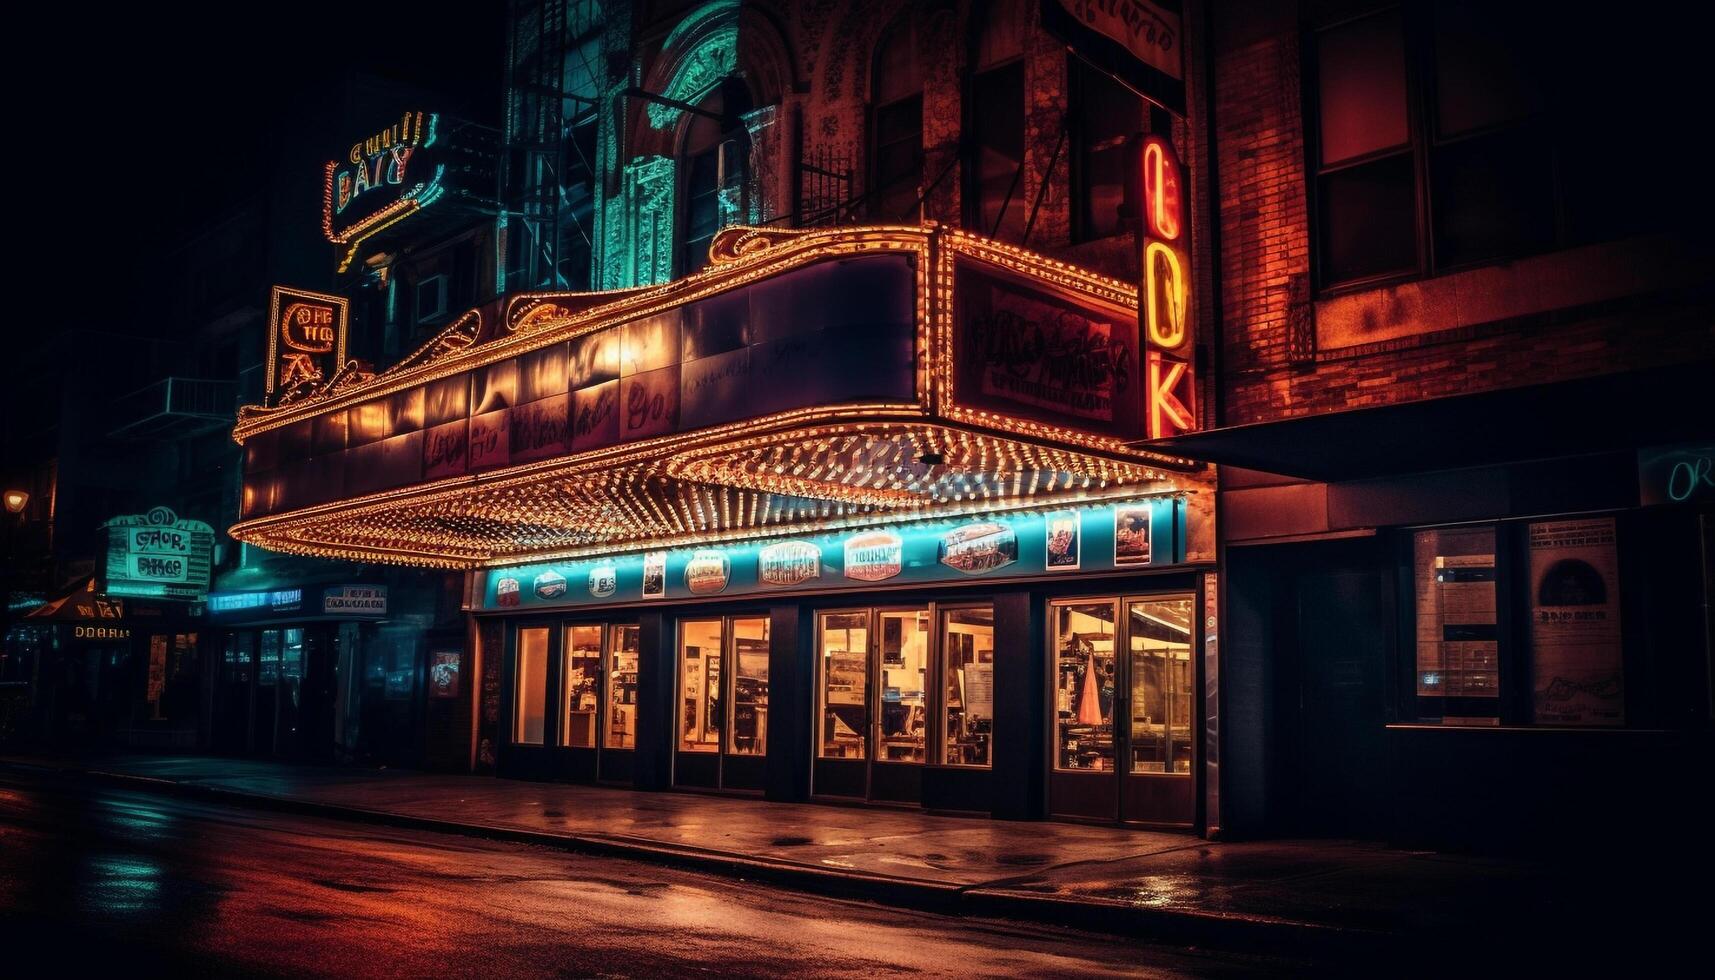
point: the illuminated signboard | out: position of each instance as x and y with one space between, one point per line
156 554
1112 537
381 180
1169 384
306 341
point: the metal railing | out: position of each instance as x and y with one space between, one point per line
175 407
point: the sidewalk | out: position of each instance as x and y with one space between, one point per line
1303 895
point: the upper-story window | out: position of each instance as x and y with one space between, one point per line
1104 117
713 165
896 127
1436 143
995 201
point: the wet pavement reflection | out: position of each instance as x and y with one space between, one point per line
94 878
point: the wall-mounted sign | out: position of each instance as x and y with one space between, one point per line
788 563
306 341
1138 41
1170 387
707 572
874 557
355 600
1027 353
978 548
604 581
381 180
270 601
156 554
1108 538
101 633
549 585
1676 474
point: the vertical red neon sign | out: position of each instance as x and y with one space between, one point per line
1170 384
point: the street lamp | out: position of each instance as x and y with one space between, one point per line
16 499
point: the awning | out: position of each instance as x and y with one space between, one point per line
82 603
1606 413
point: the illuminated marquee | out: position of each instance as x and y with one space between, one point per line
1170 387
807 381
383 179
306 342
156 554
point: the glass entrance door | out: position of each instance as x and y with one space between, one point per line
899 690
1122 746
722 716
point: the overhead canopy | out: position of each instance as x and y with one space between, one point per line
1606 413
806 381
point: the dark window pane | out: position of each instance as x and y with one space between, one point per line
997 113
1108 115
702 207
1360 83
898 160
1484 72
1493 196
1368 220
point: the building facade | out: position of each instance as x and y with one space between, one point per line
1253 419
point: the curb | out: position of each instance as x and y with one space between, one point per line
1182 927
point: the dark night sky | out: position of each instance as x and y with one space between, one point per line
153 119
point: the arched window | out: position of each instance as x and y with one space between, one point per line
896 127
714 163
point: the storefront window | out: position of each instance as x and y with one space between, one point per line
699 685
1159 636
967 650
904 663
1084 685
268 672
844 639
240 653
621 689
1562 575
1458 655
750 687
532 692
292 654
582 672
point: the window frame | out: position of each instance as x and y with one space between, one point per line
1515 655
1417 29
970 206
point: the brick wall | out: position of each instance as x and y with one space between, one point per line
1271 365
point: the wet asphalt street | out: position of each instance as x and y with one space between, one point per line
94 877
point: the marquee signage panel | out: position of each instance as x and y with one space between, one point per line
156 554
1170 386
306 341
807 381
1014 546
380 180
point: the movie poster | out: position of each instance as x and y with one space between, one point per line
1131 535
655 575
1064 541
1576 676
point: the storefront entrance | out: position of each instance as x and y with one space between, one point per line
721 738
882 715
1122 688
592 732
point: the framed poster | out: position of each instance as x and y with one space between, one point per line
1131 536
655 575
444 674
1577 677
1064 534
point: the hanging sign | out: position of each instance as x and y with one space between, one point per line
381 180
355 600
156 554
306 341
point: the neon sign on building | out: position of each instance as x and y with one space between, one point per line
1170 385
383 179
